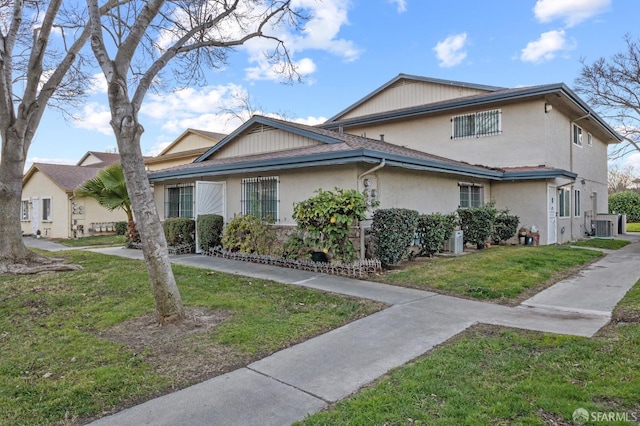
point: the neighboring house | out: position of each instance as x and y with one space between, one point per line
439 145
49 204
190 145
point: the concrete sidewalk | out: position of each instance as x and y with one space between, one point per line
303 379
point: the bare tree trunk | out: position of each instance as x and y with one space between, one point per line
154 245
12 249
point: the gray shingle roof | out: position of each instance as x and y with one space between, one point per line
69 178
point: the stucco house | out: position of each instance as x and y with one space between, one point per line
50 206
427 144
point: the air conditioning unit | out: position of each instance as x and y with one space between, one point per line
455 244
603 228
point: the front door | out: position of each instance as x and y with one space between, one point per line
552 222
210 199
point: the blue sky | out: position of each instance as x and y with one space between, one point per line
351 47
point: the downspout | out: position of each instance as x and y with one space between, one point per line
375 168
571 214
70 230
368 172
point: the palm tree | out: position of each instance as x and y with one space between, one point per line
109 189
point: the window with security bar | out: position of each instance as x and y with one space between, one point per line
179 201
260 197
484 123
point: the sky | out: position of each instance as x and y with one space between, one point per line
349 48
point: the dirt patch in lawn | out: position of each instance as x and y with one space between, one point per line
180 349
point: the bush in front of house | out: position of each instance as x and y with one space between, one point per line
627 202
209 228
249 234
393 231
327 219
120 228
476 223
179 230
505 226
433 230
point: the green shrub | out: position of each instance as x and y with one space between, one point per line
121 228
627 202
209 228
327 219
249 234
179 230
505 226
295 247
433 230
393 231
477 223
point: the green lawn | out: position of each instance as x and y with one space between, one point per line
633 227
57 364
603 243
498 273
500 376
102 240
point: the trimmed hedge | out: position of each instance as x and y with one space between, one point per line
477 223
121 228
505 226
627 202
209 228
433 230
179 230
393 231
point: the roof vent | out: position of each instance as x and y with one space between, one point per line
382 137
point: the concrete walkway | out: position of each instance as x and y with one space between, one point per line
305 378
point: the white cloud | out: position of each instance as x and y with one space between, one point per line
98 84
402 5
94 117
451 51
546 47
310 121
572 12
320 32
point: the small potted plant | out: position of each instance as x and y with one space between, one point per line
38 234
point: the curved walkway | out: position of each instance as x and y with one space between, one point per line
290 384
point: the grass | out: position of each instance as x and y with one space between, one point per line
602 243
493 375
498 273
102 240
633 227
58 366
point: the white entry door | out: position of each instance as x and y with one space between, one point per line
35 215
552 207
210 199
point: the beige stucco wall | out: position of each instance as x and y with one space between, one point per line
39 186
407 93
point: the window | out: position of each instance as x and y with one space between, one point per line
260 197
577 135
24 210
478 124
576 203
46 209
564 199
589 139
471 195
179 201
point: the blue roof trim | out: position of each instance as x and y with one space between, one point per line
453 104
416 78
355 156
257 119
